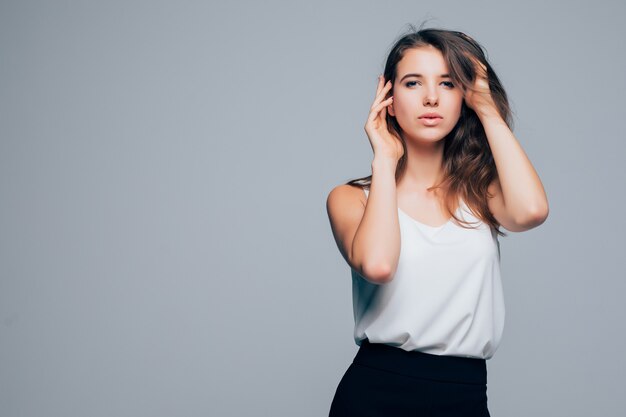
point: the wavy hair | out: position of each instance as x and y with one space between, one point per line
468 164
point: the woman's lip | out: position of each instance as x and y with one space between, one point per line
430 121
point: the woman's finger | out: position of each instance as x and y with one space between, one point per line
378 90
379 85
376 109
383 111
381 94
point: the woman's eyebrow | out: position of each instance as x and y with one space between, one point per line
420 76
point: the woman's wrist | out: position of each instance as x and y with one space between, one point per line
380 163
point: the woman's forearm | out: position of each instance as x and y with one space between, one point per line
376 244
524 196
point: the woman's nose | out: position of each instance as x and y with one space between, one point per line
430 99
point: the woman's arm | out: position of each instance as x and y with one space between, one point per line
368 234
377 240
520 202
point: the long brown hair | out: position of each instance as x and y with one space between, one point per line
468 163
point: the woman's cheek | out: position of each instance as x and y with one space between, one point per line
400 108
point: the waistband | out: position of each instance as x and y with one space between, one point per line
421 364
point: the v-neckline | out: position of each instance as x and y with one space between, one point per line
433 228
441 226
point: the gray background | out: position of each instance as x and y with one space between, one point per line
164 166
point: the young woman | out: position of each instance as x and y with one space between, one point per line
421 233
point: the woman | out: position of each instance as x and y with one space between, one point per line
421 233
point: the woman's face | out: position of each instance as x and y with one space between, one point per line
431 92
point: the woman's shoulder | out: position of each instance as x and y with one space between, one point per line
347 195
349 189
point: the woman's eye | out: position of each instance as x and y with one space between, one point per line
411 83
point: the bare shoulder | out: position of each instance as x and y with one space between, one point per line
346 196
345 206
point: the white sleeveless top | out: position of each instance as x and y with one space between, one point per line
446 296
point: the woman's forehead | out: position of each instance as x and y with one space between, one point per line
427 62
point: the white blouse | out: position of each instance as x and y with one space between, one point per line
446 296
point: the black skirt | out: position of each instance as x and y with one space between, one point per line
384 380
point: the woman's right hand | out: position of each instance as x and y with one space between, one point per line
385 144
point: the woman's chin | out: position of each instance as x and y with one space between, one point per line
425 137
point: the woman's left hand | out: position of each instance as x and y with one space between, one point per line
480 100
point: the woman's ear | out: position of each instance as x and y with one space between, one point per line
391 110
